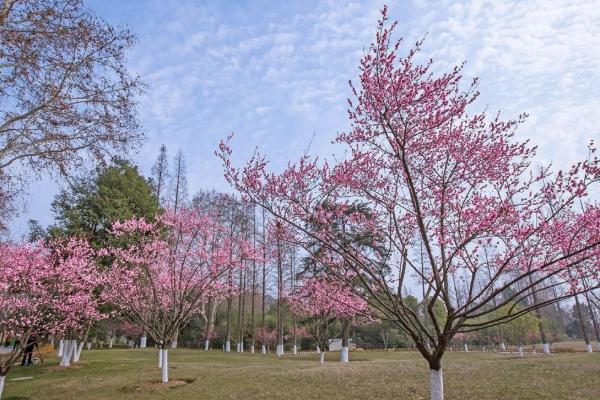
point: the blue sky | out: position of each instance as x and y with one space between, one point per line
277 72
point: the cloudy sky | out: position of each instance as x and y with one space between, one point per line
277 72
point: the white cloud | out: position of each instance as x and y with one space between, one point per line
536 56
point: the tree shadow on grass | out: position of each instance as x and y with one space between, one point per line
156 385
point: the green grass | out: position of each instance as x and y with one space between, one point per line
132 374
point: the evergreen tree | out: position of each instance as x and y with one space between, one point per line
113 193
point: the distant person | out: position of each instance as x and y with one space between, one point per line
31 345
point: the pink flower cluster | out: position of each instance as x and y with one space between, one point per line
47 288
328 298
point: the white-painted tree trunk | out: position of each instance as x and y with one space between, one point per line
295 350
143 342
466 348
89 345
520 351
263 349
77 352
73 351
344 356
160 358
110 342
242 347
251 349
61 347
165 366
436 385
546 348
322 358
502 347
2 378
206 345
279 350
65 359
589 347
174 344
227 346
318 349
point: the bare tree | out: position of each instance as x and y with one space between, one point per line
66 96
179 183
160 173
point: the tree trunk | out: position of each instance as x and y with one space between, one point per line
538 314
593 317
61 347
264 282
322 357
65 360
160 357
77 352
165 366
211 322
243 311
436 384
582 322
239 318
2 378
279 299
344 356
174 341
71 353
252 330
143 340
501 337
228 335
293 287
546 348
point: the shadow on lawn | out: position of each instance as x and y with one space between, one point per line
156 385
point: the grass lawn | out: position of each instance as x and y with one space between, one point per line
132 374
